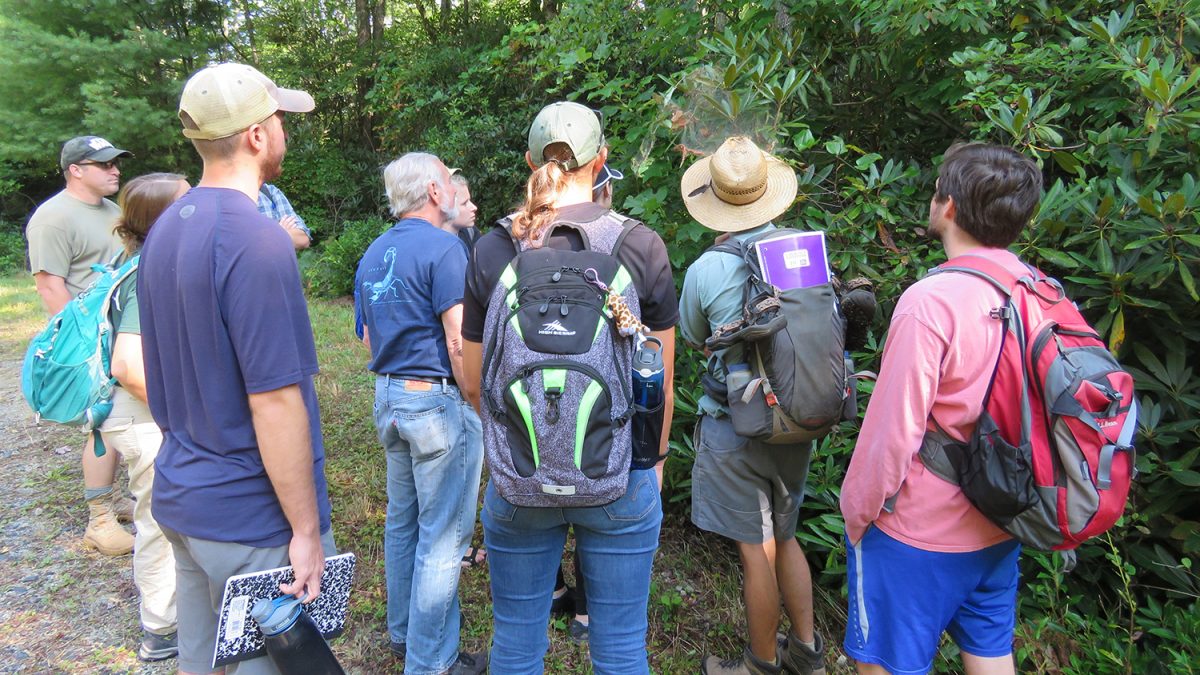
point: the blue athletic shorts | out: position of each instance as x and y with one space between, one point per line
902 598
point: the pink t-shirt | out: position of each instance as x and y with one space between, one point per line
940 352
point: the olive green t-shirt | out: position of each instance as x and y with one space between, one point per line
124 310
67 236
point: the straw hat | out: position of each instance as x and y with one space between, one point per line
738 188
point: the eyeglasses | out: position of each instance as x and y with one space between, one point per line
107 166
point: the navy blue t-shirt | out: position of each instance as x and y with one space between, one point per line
223 316
407 278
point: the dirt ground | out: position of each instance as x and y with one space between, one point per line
63 609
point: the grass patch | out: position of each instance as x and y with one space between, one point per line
21 314
695 600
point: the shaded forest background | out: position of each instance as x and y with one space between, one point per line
860 96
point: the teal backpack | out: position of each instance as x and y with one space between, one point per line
66 376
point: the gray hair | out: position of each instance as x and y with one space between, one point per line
406 181
459 179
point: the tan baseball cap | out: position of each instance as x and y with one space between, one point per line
564 122
225 99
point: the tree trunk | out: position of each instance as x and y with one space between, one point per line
363 81
425 22
378 18
246 14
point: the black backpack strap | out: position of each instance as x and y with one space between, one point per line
732 246
626 228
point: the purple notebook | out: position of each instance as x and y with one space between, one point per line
795 260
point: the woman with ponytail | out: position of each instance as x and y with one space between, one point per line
616 541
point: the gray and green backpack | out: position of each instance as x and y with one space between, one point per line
557 384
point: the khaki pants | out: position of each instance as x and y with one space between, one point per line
132 433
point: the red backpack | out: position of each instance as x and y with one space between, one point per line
1051 458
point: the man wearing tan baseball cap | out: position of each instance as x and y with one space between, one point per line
229 360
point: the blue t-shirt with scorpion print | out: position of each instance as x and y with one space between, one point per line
407 278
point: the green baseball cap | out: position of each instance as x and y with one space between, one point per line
94 148
564 122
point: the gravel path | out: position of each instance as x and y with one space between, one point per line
63 609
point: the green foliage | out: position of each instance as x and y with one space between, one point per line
12 250
109 68
860 96
329 270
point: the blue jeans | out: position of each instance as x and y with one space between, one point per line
434 446
617 543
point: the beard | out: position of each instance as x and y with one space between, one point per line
449 212
933 231
272 168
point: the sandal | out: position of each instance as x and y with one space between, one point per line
475 557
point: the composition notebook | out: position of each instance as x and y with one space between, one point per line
238 637
794 260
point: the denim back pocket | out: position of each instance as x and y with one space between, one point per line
497 507
426 430
640 498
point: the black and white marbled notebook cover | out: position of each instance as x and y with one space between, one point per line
238 637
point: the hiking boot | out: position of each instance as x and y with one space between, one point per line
399 649
157 647
746 664
469 663
800 660
858 306
103 532
123 509
578 632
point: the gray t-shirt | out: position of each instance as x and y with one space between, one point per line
67 236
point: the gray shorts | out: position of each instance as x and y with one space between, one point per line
201 568
745 490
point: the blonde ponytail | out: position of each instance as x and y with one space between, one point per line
537 213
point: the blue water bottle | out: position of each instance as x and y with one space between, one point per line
648 374
294 643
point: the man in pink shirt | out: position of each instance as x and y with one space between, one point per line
922 559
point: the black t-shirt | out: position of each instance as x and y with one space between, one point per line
643 254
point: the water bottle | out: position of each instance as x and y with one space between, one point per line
737 376
294 643
648 373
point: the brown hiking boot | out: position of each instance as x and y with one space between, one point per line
800 660
123 509
746 664
103 532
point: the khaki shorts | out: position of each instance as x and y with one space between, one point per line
745 490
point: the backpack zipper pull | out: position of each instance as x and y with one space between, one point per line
563 309
544 308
